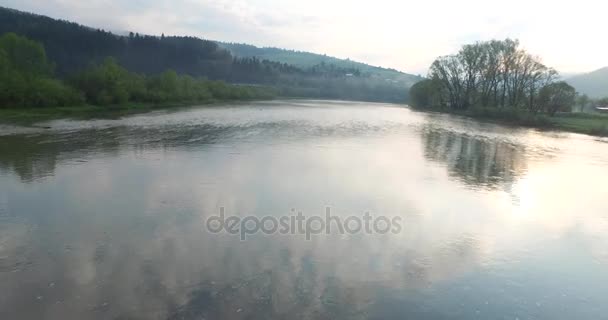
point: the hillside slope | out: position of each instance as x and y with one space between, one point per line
593 84
303 59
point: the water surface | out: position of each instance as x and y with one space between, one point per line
105 219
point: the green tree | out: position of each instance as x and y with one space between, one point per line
558 96
423 94
169 84
25 76
25 55
582 101
109 83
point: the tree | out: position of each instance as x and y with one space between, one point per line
423 94
603 101
25 76
25 55
109 83
489 74
582 101
558 96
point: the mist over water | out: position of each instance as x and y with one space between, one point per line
105 219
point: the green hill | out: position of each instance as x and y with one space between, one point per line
307 60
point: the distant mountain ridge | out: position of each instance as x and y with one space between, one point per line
594 84
303 59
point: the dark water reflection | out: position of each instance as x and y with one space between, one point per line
476 161
105 219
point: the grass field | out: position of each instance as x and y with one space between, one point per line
583 123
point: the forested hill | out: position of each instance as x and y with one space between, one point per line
304 59
73 47
594 84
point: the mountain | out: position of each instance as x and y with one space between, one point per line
594 84
73 47
304 59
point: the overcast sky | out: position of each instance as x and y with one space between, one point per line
571 36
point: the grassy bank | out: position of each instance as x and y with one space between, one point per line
596 125
590 124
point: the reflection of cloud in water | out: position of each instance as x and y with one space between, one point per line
36 156
157 265
115 231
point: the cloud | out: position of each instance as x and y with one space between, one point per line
406 35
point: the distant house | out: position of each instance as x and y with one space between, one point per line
602 109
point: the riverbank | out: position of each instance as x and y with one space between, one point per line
28 116
596 125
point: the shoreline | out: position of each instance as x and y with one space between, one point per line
30 116
582 123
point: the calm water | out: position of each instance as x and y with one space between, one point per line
105 219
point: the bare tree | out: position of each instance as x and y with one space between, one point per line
491 74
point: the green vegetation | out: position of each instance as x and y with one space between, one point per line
308 60
329 77
592 124
26 76
110 84
29 116
582 123
497 80
28 89
494 74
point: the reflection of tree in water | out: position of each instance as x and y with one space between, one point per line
33 157
476 161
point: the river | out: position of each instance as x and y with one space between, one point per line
109 218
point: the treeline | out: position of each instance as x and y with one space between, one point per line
586 104
109 83
307 60
494 74
73 48
26 80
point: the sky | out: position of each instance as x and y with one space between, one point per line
570 36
